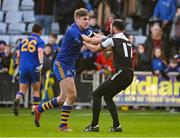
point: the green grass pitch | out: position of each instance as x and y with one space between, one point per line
134 123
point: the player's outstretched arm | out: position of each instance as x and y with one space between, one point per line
92 40
99 36
92 47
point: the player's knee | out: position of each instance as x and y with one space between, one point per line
95 94
72 97
107 99
60 100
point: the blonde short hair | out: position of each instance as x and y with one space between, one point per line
81 12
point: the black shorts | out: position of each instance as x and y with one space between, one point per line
116 83
122 78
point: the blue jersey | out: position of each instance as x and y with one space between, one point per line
29 51
71 45
29 59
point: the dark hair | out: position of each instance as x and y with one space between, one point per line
162 57
54 35
2 42
49 45
37 28
119 24
92 17
81 12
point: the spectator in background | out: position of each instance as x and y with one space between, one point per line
6 59
159 63
52 41
108 22
173 66
156 39
175 32
117 8
47 75
143 62
104 62
165 10
2 46
89 7
103 10
93 24
64 12
146 11
44 14
86 61
48 58
14 67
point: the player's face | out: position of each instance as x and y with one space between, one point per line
83 22
111 29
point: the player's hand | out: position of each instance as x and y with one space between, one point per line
86 38
39 68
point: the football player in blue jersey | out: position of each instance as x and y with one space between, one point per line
30 54
64 69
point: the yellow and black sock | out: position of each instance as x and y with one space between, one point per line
36 100
66 110
48 105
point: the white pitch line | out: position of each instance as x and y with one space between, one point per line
89 114
95 137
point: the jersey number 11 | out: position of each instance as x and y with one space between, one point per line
127 47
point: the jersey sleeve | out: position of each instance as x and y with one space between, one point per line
40 44
90 32
19 46
75 36
107 42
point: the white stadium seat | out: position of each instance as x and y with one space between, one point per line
10 5
1 16
28 16
27 5
13 17
16 28
3 27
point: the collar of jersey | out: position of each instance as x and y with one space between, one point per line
75 25
120 35
35 35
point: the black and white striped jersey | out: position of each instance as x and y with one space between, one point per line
122 50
